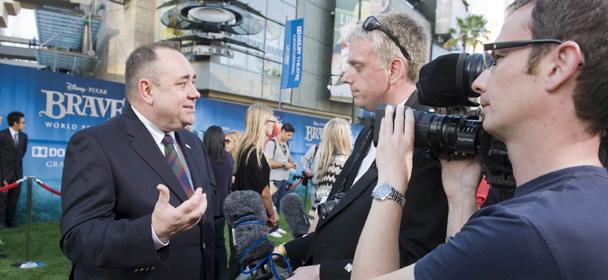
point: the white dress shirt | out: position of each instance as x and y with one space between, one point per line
370 157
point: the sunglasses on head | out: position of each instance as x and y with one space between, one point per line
372 23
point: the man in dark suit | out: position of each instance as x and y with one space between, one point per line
13 145
382 71
135 189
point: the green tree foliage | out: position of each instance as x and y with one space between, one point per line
471 31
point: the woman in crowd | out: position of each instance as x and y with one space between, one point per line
253 169
221 163
231 144
334 149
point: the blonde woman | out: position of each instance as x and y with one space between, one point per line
253 169
231 144
334 149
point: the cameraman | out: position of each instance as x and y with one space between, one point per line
382 70
547 101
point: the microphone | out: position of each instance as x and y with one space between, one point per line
293 211
246 215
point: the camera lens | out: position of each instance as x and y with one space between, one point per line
446 135
474 65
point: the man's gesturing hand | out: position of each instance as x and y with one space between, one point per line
167 221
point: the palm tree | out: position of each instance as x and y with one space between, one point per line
471 30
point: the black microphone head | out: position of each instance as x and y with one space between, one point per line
241 203
246 215
293 211
443 82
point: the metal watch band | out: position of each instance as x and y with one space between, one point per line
392 195
397 196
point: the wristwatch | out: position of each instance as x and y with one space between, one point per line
384 191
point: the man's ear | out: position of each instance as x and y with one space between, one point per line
144 89
397 70
565 62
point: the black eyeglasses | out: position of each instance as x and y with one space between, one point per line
517 44
372 23
490 58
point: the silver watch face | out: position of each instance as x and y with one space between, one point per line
382 191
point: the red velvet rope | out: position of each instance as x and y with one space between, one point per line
10 186
46 187
296 184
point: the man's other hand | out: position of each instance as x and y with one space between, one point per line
311 272
168 221
460 178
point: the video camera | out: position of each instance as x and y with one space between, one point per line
447 82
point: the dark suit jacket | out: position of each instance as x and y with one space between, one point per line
334 241
11 157
109 191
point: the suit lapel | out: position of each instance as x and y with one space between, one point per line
351 167
365 182
143 144
352 164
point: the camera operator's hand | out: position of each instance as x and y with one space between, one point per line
460 180
396 147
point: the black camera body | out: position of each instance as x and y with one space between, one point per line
323 209
447 82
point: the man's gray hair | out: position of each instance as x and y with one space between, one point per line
410 34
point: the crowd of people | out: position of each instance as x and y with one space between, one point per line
143 198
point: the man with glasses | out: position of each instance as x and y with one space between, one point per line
13 145
385 56
546 97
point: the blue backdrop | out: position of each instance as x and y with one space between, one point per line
57 105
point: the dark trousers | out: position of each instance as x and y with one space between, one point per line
281 192
8 207
221 262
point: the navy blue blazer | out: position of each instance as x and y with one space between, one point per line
109 191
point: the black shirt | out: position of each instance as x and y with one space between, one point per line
222 172
249 174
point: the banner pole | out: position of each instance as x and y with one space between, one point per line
282 62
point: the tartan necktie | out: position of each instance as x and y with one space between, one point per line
176 164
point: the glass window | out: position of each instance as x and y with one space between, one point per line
238 81
259 5
292 2
272 81
275 34
279 10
